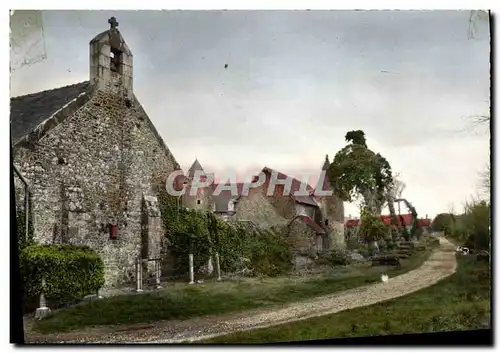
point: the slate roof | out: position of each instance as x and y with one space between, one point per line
29 111
194 167
326 184
326 164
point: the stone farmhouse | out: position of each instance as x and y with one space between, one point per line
95 161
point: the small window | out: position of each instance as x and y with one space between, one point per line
198 202
115 60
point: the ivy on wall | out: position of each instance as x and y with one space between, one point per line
23 239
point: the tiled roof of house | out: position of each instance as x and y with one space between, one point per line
29 111
310 222
423 222
404 219
296 186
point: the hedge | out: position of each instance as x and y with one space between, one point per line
70 272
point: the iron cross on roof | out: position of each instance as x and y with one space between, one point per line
112 22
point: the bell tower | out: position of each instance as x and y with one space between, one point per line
111 61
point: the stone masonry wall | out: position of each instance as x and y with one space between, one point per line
333 210
268 211
302 238
204 195
257 207
93 169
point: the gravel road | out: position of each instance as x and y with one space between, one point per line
439 265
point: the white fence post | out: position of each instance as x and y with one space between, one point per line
138 268
43 310
158 273
217 265
191 269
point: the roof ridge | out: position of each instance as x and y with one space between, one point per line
49 90
291 176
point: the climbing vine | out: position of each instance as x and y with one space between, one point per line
23 239
239 245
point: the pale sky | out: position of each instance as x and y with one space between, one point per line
296 82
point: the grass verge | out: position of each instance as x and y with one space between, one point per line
459 302
213 298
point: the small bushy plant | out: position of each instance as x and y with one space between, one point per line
338 257
263 252
371 228
70 271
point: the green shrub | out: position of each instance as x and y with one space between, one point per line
202 234
391 245
338 257
430 241
70 271
442 222
418 233
477 222
471 228
364 250
271 254
372 228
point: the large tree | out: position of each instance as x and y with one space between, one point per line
359 174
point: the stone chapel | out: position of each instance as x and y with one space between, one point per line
94 161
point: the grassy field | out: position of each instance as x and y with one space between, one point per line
184 301
460 302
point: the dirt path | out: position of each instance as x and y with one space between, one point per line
440 264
